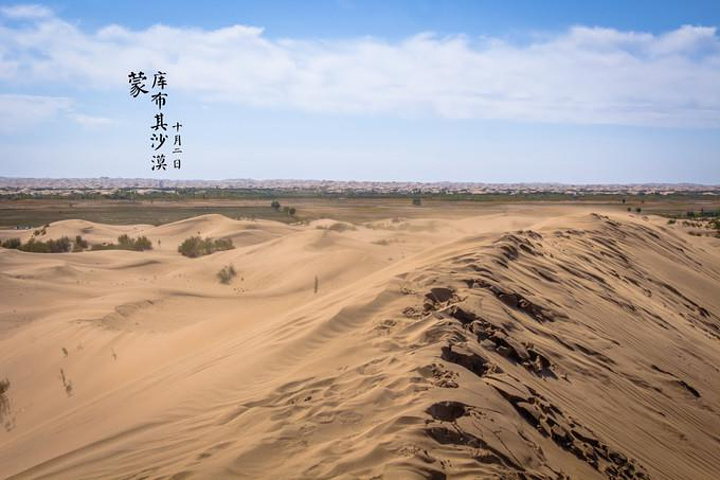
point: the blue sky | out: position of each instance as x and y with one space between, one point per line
574 92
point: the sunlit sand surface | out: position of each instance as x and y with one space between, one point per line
538 343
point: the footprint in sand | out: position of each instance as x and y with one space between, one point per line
341 447
350 418
324 417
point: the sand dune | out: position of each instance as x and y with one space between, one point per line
540 343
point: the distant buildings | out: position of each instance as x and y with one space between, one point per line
105 185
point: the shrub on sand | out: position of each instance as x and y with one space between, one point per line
126 242
226 274
197 246
11 243
60 245
80 244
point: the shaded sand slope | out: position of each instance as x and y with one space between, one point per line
542 343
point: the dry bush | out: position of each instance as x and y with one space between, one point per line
126 242
226 274
11 243
60 245
197 246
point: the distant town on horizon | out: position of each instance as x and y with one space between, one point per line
13 185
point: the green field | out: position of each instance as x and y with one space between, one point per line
33 212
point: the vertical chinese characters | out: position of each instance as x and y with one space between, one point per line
159 130
177 145
137 83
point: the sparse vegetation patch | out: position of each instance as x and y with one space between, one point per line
60 245
197 246
11 243
337 227
80 244
4 386
226 274
126 242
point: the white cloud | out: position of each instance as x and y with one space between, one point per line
584 75
25 11
19 113
90 120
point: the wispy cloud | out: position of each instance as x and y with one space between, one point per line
25 11
583 75
90 120
20 112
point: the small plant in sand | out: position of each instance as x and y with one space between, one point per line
197 246
80 244
6 417
67 384
290 211
338 227
222 244
63 244
192 247
42 231
226 274
126 242
143 243
60 245
138 244
4 386
275 205
11 243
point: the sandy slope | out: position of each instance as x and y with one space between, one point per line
546 342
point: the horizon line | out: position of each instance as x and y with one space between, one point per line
385 182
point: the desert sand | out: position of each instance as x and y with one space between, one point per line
543 342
